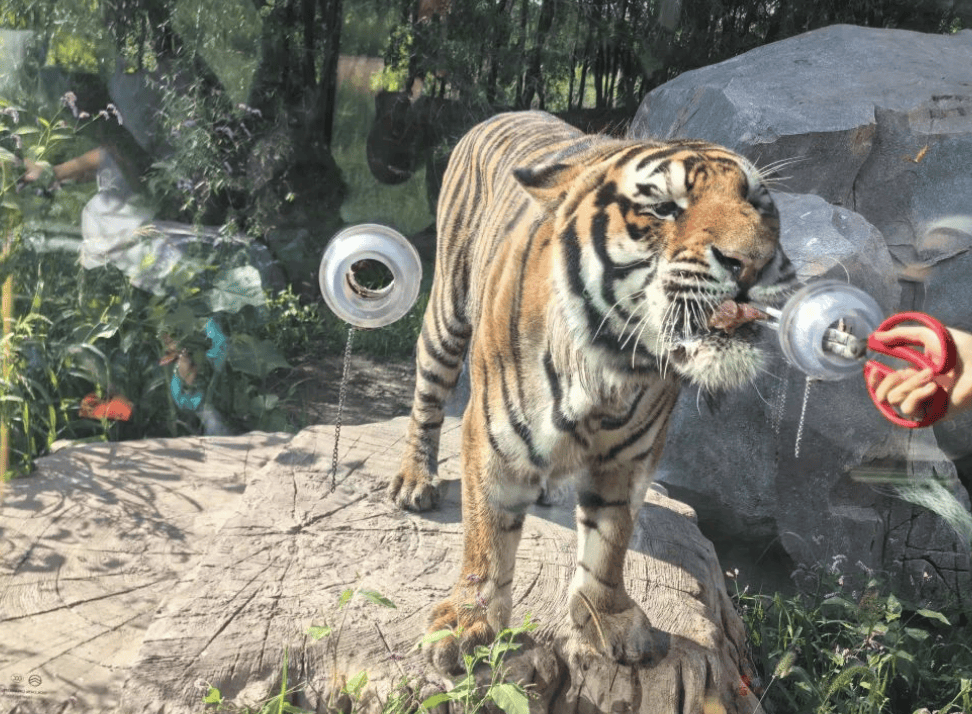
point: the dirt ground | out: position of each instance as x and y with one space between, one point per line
377 390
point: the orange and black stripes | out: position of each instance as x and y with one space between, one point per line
575 275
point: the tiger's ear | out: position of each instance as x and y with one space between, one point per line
547 183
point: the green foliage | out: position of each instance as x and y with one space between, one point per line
81 331
846 651
510 697
278 704
200 177
301 329
224 35
467 693
77 331
367 24
559 55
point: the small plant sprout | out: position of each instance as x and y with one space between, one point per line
354 686
510 697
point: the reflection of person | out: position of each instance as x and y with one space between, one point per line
81 168
908 389
119 227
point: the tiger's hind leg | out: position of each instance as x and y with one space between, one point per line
438 364
603 618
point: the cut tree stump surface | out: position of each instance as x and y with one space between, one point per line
136 574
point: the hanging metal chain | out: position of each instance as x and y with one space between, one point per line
342 393
803 416
779 401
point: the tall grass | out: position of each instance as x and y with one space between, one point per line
852 647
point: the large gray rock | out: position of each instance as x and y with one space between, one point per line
878 123
851 107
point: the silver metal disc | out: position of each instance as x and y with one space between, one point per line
807 316
359 305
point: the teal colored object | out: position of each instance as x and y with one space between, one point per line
216 354
183 399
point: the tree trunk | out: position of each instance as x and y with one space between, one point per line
331 17
147 571
293 174
534 76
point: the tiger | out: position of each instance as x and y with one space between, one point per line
577 274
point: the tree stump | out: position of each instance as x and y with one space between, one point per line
278 562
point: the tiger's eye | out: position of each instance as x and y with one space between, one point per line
667 211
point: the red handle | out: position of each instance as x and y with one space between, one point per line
903 349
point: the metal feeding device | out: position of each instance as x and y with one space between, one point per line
825 330
350 254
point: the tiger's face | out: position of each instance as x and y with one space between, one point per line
655 238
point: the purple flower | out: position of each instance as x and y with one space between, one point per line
70 100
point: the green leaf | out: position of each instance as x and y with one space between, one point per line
318 632
377 598
213 696
463 688
840 602
892 608
499 650
255 357
528 626
431 638
932 615
235 288
510 698
435 700
263 403
916 633
903 654
181 321
356 684
345 597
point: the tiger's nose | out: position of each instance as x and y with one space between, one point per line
744 268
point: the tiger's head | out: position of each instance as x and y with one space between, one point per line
654 238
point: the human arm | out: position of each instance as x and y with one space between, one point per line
80 168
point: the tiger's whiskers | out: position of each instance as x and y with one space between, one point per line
773 167
612 308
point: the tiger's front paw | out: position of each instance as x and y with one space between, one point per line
470 628
414 492
626 637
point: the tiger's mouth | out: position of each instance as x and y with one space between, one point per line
721 351
730 319
730 315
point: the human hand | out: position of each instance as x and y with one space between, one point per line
39 172
909 389
80 168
